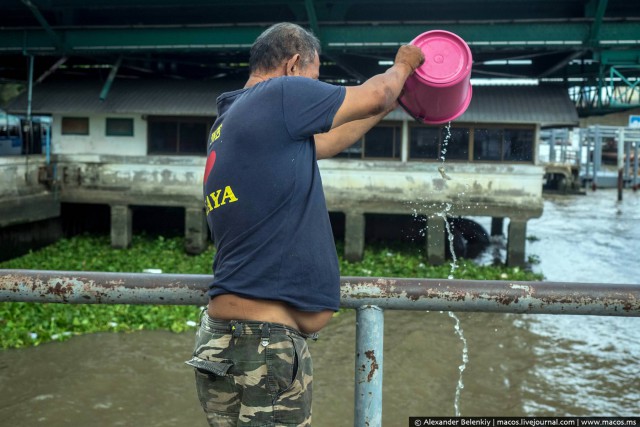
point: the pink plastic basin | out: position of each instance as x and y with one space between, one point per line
439 90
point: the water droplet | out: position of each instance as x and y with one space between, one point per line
465 360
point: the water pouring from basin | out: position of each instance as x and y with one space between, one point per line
440 89
438 92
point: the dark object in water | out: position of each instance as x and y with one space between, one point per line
469 238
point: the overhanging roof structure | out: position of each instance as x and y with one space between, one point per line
591 47
544 105
147 97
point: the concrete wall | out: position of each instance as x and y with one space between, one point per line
123 181
352 187
25 191
419 188
369 186
97 142
395 187
117 171
131 180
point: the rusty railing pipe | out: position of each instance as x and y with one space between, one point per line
76 287
369 296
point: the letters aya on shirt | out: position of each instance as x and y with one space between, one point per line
221 196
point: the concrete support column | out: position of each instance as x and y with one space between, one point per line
435 240
196 231
497 225
354 229
121 226
516 242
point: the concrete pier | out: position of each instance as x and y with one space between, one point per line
354 236
436 240
516 242
121 226
416 188
196 231
24 198
353 188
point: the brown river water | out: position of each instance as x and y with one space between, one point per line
518 365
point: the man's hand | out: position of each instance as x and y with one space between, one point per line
410 55
379 94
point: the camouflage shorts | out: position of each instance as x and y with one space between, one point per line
252 374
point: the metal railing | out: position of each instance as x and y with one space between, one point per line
369 296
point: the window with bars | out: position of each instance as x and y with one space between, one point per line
383 141
177 135
75 126
119 127
433 143
503 144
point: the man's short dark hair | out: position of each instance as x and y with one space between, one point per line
280 42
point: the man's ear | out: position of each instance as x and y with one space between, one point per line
293 66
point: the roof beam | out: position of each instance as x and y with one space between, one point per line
619 57
60 4
561 64
594 33
110 79
313 18
52 34
52 69
315 27
334 37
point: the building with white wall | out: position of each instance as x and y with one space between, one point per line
145 144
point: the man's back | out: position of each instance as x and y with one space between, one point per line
264 198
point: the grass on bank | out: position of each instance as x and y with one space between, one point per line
28 324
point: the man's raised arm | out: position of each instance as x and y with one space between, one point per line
366 104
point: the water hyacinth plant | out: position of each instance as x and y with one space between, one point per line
28 324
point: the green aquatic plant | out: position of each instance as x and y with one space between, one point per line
27 324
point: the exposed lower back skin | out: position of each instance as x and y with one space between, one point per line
233 307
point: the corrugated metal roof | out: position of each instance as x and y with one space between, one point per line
544 105
152 97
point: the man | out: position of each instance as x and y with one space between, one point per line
276 276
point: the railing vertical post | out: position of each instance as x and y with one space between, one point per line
597 156
368 377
